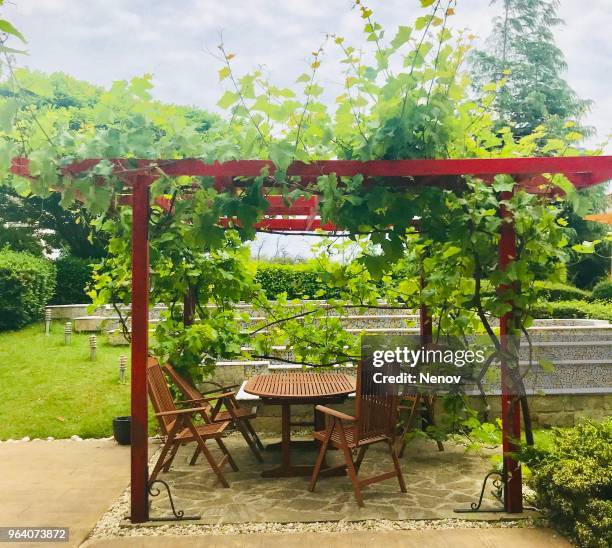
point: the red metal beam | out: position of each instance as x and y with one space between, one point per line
584 171
288 225
296 225
301 206
140 349
510 405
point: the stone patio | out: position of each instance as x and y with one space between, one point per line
438 482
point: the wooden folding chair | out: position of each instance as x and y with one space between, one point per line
178 427
412 406
374 422
239 416
407 411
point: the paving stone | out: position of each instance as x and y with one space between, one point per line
437 483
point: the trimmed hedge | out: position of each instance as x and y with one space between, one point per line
26 285
548 291
596 310
603 290
573 481
73 275
298 281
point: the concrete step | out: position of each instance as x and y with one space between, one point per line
568 350
111 323
351 321
88 324
570 334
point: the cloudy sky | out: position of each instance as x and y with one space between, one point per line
105 40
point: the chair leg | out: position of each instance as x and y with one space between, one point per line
240 424
398 469
211 461
250 428
350 468
166 467
362 452
320 459
162 457
194 457
429 415
225 451
214 465
400 453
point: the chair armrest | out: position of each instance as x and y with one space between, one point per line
210 398
332 412
197 400
224 388
188 411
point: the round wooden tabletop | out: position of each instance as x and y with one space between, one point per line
300 385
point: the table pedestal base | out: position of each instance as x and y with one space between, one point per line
296 445
286 469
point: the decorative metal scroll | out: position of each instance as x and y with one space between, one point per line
498 493
178 515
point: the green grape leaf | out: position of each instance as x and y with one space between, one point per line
7 27
228 99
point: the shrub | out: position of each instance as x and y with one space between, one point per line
573 481
603 290
298 281
26 285
574 309
549 291
73 275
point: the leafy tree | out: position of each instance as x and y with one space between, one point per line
521 53
28 221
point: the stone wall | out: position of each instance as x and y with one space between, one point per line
546 411
558 409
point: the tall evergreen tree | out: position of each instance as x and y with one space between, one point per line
521 50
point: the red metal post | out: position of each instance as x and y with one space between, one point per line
510 406
425 322
140 349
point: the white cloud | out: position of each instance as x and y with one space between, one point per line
106 40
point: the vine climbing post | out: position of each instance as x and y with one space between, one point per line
425 322
510 406
140 329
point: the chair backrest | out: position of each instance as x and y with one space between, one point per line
159 394
189 391
376 407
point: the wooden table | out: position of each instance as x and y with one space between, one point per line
287 389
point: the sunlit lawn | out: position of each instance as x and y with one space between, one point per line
49 389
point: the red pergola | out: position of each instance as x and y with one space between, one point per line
302 215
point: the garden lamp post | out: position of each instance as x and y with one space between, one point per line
122 367
93 345
67 332
47 321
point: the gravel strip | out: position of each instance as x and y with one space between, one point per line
110 526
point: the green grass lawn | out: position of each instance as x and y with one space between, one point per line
49 389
